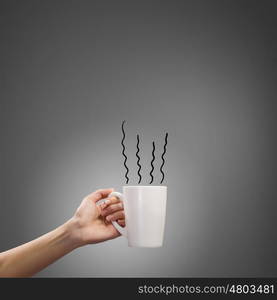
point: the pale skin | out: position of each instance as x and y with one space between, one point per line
90 224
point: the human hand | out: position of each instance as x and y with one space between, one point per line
91 222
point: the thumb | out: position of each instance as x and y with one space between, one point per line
100 194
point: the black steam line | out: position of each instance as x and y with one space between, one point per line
161 168
152 162
123 152
138 159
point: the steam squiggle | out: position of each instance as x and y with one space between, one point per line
161 168
152 161
138 160
123 152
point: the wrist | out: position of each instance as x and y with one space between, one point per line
73 229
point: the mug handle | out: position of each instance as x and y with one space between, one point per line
122 230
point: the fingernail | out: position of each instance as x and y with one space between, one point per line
108 218
107 201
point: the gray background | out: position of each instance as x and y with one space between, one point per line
205 71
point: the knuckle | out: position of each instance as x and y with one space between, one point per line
114 208
118 206
109 210
96 194
112 218
120 215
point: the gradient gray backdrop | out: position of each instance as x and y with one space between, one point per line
205 71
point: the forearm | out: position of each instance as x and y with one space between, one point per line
30 258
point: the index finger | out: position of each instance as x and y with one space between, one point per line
100 194
110 201
113 200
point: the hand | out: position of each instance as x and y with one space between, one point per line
92 222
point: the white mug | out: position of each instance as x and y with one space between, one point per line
145 211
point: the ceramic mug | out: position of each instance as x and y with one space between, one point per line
145 211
